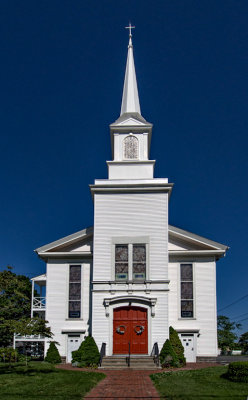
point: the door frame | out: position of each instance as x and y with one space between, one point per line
194 337
126 304
130 321
72 334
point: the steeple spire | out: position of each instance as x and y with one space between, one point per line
130 97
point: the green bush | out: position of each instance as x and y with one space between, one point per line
52 355
167 356
177 346
237 371
77 354
8 354
88 354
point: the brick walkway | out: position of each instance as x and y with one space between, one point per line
127 384
124 385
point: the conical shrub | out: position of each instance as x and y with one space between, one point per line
167 356
177 346
52 355
88 354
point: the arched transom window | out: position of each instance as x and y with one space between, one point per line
131 144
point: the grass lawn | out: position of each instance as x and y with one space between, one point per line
201 384
41 381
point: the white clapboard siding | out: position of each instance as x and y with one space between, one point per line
205 305
57 300
160 322
133 215
101 329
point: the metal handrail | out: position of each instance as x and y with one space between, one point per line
129 355
155 354
102 353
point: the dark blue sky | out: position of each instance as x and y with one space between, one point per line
62 70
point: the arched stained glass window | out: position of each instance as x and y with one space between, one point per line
131 144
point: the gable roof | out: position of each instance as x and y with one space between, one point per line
194 245
181 233
67 240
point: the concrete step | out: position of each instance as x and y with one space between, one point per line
206 359
136 362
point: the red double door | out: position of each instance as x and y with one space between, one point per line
130 326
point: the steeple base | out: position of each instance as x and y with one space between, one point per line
131 169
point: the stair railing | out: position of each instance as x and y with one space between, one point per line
128 357
155 354
102 353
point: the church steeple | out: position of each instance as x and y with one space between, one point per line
130 97
130 133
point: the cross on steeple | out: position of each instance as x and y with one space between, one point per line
130 27
130 96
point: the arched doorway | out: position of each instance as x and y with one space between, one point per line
130 326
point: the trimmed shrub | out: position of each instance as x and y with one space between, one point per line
87 355
177 346
237 371
77 354
52 355
8 354
167 356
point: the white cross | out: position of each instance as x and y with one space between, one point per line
130 27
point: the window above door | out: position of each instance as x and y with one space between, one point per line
130 259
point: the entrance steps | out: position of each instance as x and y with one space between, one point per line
136 362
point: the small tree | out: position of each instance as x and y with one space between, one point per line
226 335
177 346
53 356
15 303
168 356
88 354
243 342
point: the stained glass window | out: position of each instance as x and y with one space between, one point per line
121 262
75 273
187 295
131 147
74 309
130 259
186 272
139 261
75 291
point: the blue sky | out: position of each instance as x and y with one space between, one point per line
61 72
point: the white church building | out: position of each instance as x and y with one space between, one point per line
132 275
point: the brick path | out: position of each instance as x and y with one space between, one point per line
124 385
127 384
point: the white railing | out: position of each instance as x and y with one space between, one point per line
18 337
39 303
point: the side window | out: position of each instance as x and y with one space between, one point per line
121 262
139 262
131 145
75 291
187 300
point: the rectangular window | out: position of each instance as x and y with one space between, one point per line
130 262
121 262
139 262
75 291
187 297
